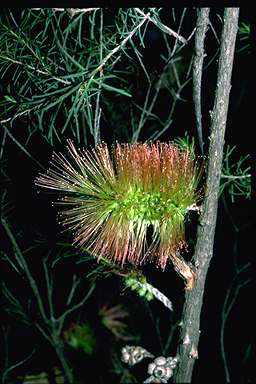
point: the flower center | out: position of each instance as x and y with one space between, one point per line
141 205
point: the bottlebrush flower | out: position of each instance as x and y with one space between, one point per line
130 208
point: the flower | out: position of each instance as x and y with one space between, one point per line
129 208
111 318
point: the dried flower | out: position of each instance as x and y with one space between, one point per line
131 208
132 354
112 318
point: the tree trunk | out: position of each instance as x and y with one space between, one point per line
190 329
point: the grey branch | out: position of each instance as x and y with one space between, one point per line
205 237
201 28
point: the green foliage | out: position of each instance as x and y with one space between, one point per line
81 336
56 70
186 143
64 70
244 33
244 30
235 177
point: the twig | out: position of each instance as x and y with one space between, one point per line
97 115
20 146
49 289
47 337
5 331
23 262
179 28
75 283
168 341
163 27
142 118
201 28
76 306
235 176
3 144
227 306
16 365
116 49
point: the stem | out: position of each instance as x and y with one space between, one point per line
190 331
7 132
98 110
229 302
58 346
22 261
201 28
235 177
164 27
120 46
61 319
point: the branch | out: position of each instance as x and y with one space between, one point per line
21 260
230 299
98 110
201 28
118 47
6 130
76 306
163 27
6 372
205 237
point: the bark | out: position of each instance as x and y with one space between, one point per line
190 328
201 29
